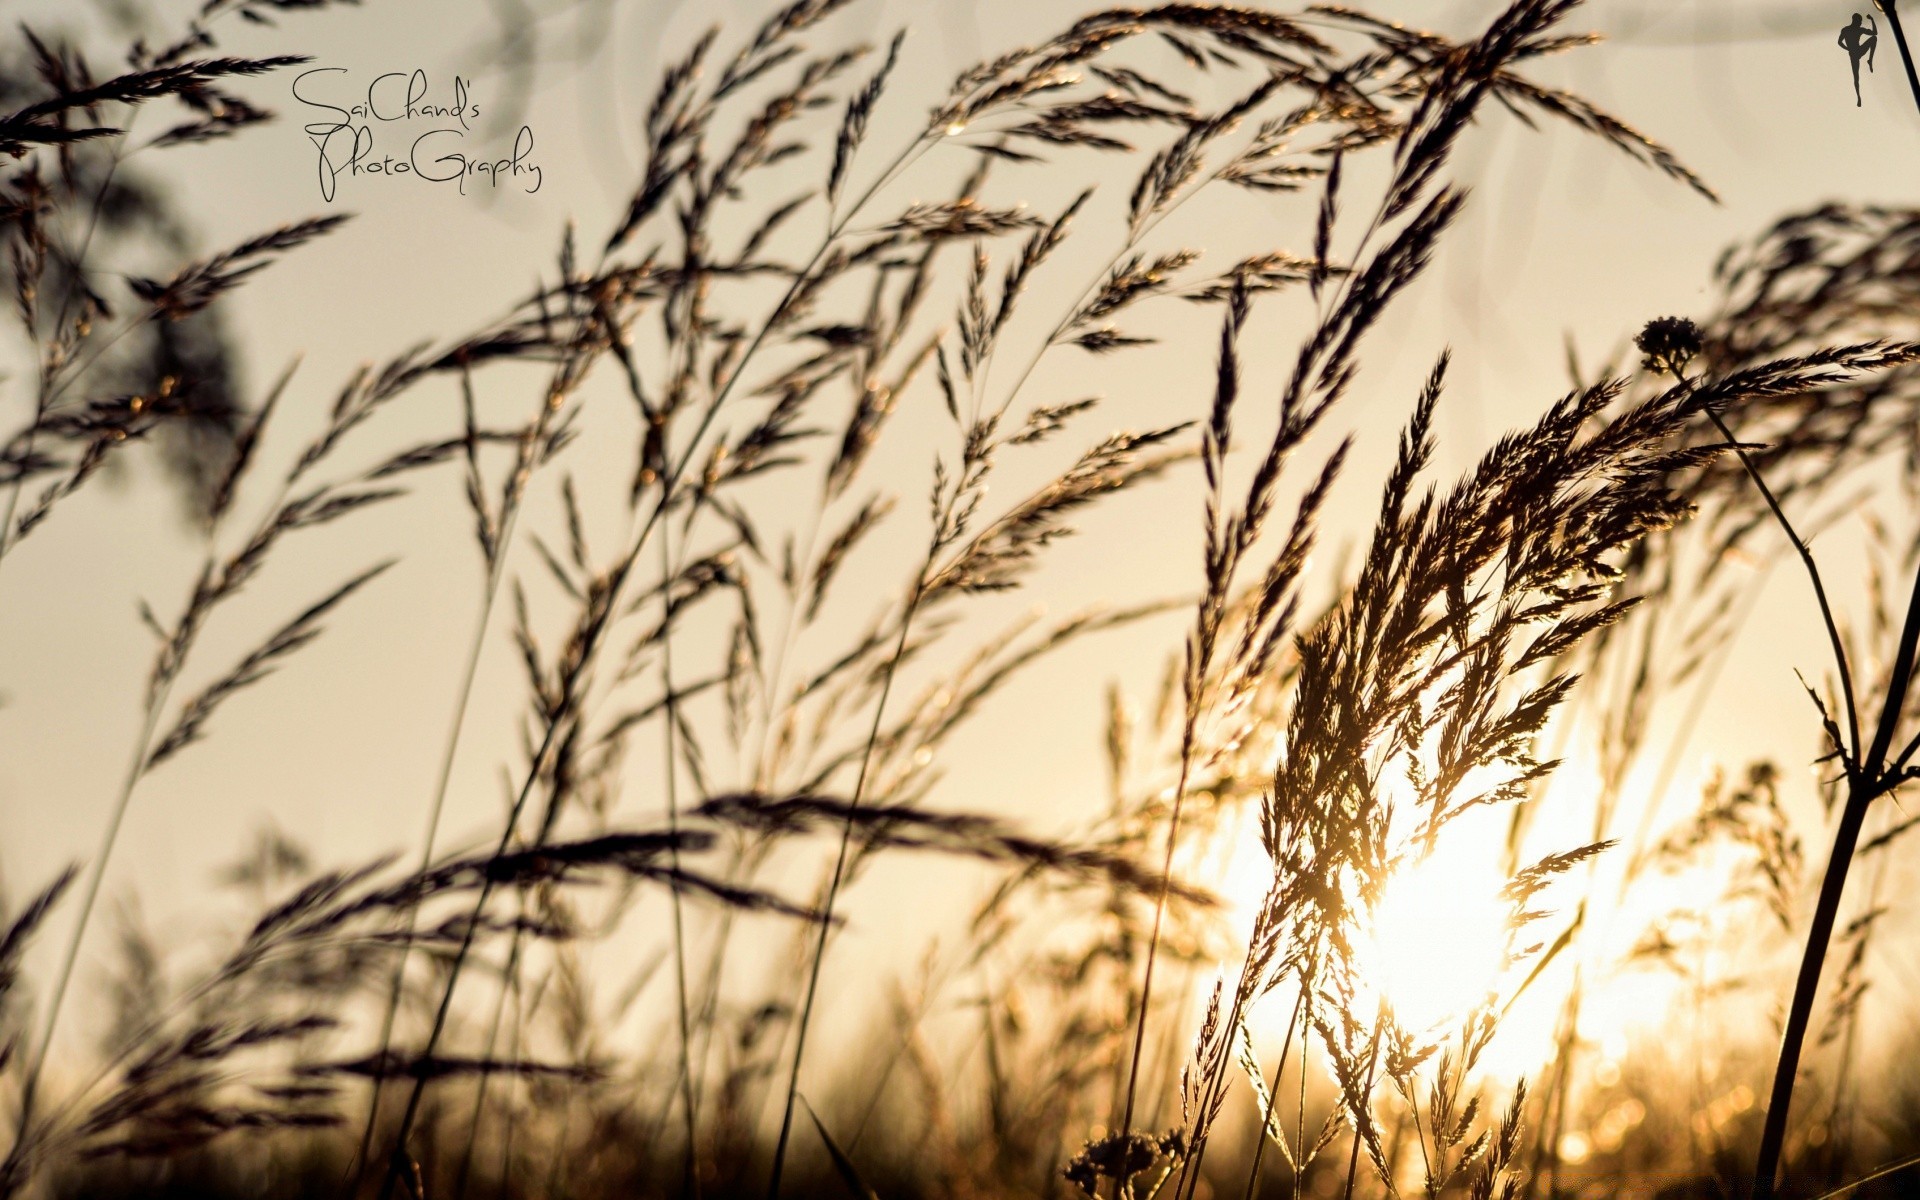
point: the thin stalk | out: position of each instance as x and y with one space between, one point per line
512 987
1353 1155
1867 778
1188 1185
462 699
668 489
522 1007
1134 238
834 881
1199 659
833 887
1331 305
1546 1163
1906 754
412 1111
1554 1112
1806 983
1188 740
96 873
1398 1143
1216 1081
1841 1116
47 393
674 473
136 769
1813 573
1166 1078
690 1184
770 718
1891 8
509 986
1866 781
837 226
1300 1100
1846 1101
1273 1101
708 1015
1419 1134
1893 1168
511 980
496 570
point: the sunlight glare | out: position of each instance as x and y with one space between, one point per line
1439 937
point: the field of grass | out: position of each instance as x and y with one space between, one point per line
1387 897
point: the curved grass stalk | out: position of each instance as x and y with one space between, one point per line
669 488
96 873
497 551
1867 780
89 896
1886 1172
444 776
691 1182
1264 1135
1868 777
836 879
837 226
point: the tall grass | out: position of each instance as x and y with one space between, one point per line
450 1023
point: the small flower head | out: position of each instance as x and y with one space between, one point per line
1669 344
1121 1158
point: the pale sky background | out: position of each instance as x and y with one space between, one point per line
1562 236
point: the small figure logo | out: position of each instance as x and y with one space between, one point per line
1859 41
1860 38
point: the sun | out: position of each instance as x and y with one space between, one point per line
1440 938
1436 944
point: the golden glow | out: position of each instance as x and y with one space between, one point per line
1438 938
1436 943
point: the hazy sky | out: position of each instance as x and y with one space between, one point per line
1563 238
